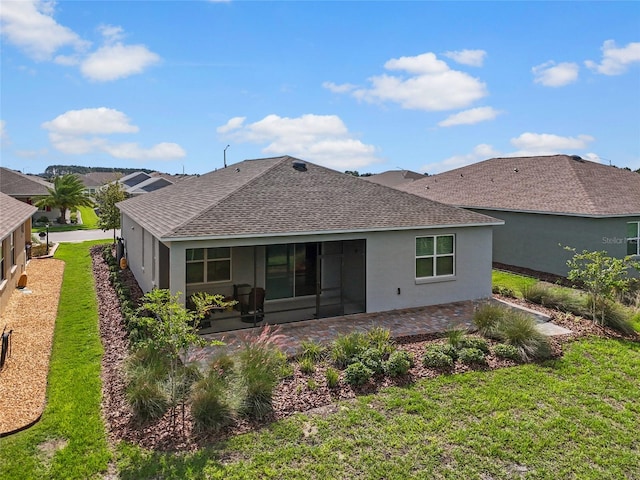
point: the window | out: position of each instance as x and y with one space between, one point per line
435 256
12 249
207 265
2 273
633 238
291 270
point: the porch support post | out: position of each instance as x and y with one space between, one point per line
255 284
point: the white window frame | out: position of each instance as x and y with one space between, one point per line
205 260
636 238
12 248
435 257
3 273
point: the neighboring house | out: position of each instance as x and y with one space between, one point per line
394 178
547 202
15 232
321 243
94 180
138 183
26 188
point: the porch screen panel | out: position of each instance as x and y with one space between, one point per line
305 268
279 278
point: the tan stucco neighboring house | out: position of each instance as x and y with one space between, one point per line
547 202
26 188
319 242
15 232
394 178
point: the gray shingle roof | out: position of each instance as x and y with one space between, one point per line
16 184
561 184
394 178
270 197
13 213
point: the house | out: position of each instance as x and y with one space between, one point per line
26 188
138 183
15 232
321 243
94 180
394 178
546 202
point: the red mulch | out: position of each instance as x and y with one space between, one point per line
291 396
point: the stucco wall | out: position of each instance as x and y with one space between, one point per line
536 241
141 250
13 271
390 264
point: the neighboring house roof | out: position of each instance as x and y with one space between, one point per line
271 197
13 213
134 178
149 185
16 184
394 178
560 184
97 179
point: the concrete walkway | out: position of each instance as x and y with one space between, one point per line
76 236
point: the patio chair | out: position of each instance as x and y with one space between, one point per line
252 311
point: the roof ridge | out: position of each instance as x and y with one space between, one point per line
232 192
586 192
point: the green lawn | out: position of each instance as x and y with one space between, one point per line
575 417
89 217
72 414
512 281
89 222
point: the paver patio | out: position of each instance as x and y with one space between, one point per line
401 323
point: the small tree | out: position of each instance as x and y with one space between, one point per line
108 214
601 275
172 329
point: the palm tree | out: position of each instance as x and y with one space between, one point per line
68 192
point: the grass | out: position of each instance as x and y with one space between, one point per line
89 217
511 281
570 418
72 414
575 417
89 222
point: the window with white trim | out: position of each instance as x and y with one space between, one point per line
12 249
435 256
2 272
633 238
208 265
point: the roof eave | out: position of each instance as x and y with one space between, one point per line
542 212
325 232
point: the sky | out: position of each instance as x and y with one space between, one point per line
176 86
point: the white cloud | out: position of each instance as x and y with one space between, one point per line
115 61
431 85
551 75
479 152
30 26
470 117
233 124
101 120
474 58
335 88
531 144
3 130
322 139
615 61
81 132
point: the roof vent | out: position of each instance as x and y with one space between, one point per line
577 158
299 166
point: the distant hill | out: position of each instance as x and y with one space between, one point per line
55 170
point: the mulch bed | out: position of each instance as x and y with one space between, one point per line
291 396
31 314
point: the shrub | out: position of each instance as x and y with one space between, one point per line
446 348
504 291
535 293
346 348
399 363
455 336
258 369
145 393
618 318
307 366
520 331
210 408
487 319
471 355
436 358
380 339
333 377
312 350
43 219
474 342
357 374
506 351
372 359
312 384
